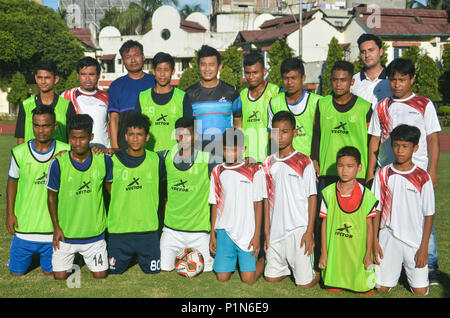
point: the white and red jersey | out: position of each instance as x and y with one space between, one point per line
290 182
95 104
405 197
414 111
234 189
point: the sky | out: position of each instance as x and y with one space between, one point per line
203 3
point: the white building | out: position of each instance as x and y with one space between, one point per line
169 34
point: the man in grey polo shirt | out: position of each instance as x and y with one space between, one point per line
371 83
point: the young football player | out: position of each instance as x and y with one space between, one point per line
291 208
163 104
301 103
46 77
75 201
254 102
236 196
341 120
187 211
404 219
133 210
347 210
27 216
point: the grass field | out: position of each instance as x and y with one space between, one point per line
135 284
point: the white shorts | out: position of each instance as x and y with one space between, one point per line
395 254
172 242
94 254
283 255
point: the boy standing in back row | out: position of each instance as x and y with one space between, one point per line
299 102
254 102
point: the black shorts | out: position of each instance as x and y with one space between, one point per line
123 247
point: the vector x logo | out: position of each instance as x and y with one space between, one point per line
181 186
41 180
134 185
84 188
340 129
162 120
344 231
254 116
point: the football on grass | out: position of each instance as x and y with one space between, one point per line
189 263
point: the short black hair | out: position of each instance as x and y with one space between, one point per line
47 65
42 110
406 133
162 57
284 116
137 120
184 122
130 44
292 64
207 50
233 137
80 122
343 66
253 58
349 151
88 61
369 37
402 66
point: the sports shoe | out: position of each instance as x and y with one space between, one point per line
433 276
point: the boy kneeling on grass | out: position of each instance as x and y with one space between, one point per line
347 211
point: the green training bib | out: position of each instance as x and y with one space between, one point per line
187 206
346 243
339 130
81 210
254 122
162 118
304 121
30 207
60 111
134 196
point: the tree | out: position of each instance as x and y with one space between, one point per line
110 18
186 10
430 4
191 75
18 90
30 32
72 81
137 19
335 53
444 79
427 78
278 52
232 66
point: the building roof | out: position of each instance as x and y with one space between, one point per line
191 26
84 36
277 28
406 21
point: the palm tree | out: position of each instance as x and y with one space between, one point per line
187 10
137 19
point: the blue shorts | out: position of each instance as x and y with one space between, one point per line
227 253
123 247
22 251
